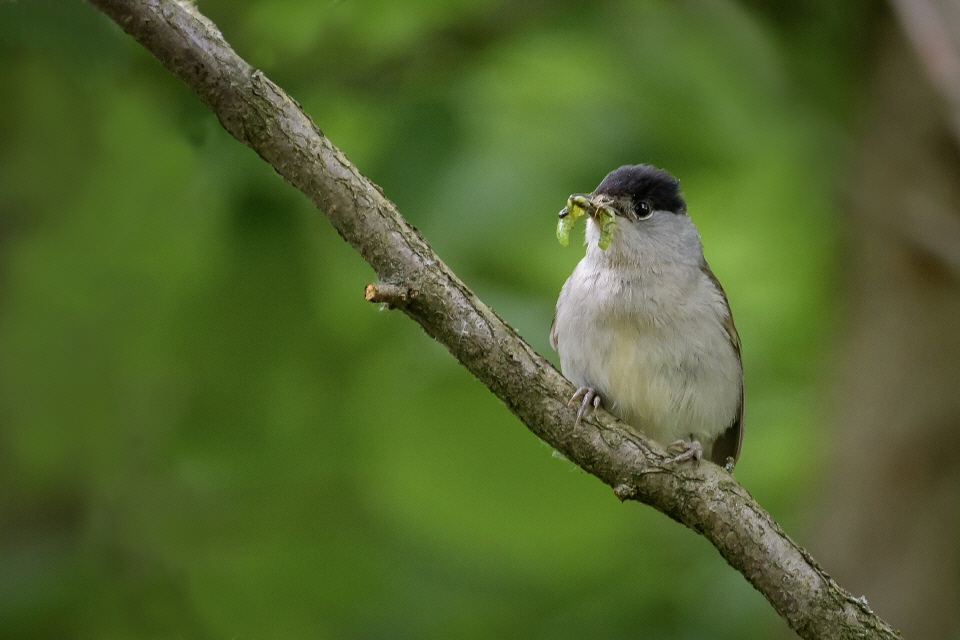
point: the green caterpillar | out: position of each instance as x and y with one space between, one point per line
605 219
568 216
577 205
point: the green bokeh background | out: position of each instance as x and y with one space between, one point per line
205 432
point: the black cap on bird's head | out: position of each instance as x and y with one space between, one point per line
646 186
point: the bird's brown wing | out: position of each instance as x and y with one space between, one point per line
727 445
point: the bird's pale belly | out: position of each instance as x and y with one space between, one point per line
676 381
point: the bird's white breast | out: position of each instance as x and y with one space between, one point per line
651 341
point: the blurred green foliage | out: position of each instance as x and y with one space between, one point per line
206 433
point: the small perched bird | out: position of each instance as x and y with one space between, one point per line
644 324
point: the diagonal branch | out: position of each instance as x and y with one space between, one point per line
707 499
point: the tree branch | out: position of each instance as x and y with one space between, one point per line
707 499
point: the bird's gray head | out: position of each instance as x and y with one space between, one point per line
651 218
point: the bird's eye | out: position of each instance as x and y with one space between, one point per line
644 210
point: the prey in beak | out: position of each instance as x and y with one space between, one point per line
597 206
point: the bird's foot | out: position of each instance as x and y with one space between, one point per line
692 450
590 397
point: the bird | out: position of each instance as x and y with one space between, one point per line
644 327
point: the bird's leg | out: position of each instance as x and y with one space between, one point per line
590 396
692 450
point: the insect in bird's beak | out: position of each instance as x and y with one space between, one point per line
599 209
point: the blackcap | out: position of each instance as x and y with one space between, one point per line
645 326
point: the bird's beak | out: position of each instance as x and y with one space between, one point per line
600 203
591 203
600 210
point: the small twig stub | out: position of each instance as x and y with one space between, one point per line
391 294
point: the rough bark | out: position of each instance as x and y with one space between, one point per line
891 524
707 499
